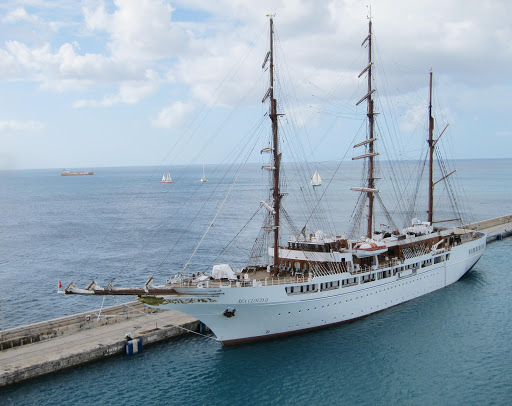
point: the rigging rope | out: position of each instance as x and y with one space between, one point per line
220 207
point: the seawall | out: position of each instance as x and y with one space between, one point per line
53 345
496 228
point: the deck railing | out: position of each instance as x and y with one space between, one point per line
319 270
240 283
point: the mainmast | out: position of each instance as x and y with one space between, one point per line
276 156
370 188
431 145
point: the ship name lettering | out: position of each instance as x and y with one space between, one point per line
256 300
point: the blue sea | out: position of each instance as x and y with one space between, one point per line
451 347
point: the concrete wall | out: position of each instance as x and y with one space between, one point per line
81 357
480 225
69 324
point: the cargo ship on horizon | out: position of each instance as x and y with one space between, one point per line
67 172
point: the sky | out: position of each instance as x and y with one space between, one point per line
100 83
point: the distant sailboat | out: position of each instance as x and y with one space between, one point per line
166 178
203 179
316 180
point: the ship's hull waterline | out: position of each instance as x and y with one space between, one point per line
265 312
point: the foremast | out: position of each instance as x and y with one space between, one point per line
369 142
276 155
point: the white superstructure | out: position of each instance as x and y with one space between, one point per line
254 305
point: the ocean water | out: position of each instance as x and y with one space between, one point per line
450 347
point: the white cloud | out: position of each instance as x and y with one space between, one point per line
96 16
173 116
20 14
13 126
142 34
116 52
130 92
8 64
140 37
139 30
41 64
414 118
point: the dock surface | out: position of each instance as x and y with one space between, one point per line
72 348
496 228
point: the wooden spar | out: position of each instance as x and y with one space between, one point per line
275 149
372 154
265 61
364 189
364 70
366 96
445 221
365 142
444 177
442 132
431 160
266 95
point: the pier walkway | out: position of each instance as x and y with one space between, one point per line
496 228
78 344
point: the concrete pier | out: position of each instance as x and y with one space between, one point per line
41 348
496 228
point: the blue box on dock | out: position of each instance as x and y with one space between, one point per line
134 346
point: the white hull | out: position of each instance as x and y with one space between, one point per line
268 311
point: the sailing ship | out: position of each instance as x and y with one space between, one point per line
317 280
67 172
166 178
316 180
204 179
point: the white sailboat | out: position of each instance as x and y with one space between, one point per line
322 279
166 178
316 180
204 179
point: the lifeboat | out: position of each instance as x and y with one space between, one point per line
369 248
